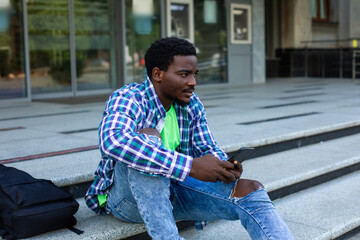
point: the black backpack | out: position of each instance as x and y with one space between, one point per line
30 206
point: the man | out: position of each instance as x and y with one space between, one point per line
160 162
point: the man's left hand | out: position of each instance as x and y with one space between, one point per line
237 170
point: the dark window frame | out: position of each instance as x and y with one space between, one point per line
318 17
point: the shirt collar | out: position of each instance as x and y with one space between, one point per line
153 97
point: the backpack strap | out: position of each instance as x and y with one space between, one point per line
75 230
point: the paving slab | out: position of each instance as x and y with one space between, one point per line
27 147
63 170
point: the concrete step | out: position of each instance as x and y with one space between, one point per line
293 170
285 170
104 227
75 170
324 212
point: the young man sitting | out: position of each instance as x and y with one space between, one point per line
160 162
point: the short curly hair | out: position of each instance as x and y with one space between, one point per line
161 53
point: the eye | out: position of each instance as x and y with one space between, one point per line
184 74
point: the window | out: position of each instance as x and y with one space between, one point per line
240 23
320 10
181 23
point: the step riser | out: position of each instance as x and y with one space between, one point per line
301 142
285 191
349 234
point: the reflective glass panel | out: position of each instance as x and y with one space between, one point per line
142 28
92 42
322 9
211 41
180 20
12 67
48 27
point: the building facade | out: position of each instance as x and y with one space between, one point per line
312 38
67 48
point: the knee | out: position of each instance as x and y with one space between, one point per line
255 185
244 187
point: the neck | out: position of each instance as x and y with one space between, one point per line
166 106
164 100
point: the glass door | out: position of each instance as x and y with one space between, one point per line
211 41
143 27
69 46
49 47
12 65
93 33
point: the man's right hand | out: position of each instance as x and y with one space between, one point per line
211 169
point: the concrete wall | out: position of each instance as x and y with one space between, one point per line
246 62
296 23
349 21
327 31
344 19
258 41
324 31
354 15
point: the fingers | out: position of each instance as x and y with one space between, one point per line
235 169
237 174
227 164
208 168
228 176
239 168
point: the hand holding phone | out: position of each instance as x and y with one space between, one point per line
242 154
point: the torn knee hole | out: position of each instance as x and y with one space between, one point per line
243 187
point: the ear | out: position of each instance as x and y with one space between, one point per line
157 74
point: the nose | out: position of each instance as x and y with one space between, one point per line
192 80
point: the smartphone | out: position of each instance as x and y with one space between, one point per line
242 154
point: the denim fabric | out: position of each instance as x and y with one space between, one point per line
159 202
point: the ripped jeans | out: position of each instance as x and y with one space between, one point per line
159 202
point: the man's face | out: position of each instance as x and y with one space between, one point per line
178 82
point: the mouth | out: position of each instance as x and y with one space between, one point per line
189 92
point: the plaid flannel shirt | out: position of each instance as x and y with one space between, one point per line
137 106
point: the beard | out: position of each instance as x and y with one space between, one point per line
185 103
177 100
182 103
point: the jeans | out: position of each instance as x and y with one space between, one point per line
159 202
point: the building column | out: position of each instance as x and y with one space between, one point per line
258 41
349 21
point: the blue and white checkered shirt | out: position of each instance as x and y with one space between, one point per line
137 106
